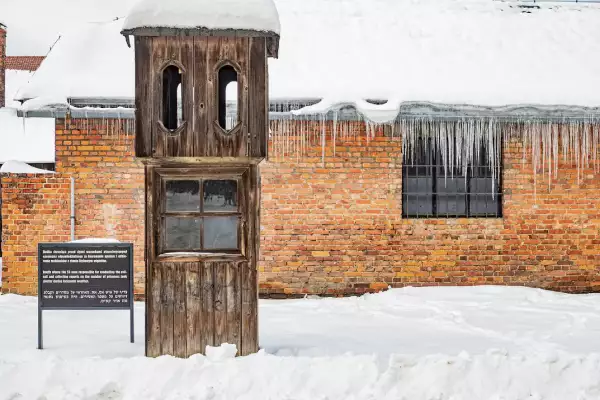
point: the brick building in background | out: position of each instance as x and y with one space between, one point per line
351 202
30 141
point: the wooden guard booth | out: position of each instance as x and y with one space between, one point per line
201 141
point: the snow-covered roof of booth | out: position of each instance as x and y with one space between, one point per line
456 52
253 15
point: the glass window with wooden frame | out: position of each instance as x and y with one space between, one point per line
200 215
432 189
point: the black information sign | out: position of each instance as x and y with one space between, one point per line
84 276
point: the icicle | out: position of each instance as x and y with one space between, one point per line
335 123
323 139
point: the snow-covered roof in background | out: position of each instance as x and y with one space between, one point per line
34 25
476 52
15 79
254 15
29 140
26 139
89 61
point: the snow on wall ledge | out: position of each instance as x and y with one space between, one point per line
19 167
26 139
255 15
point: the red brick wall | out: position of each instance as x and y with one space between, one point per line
332 229
338 229
2 65
34 209
109 182
109 199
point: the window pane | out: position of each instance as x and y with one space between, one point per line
183 196
418 205
451 205
456 185
220 196
182 233
484 204
422 185
483 186
221 233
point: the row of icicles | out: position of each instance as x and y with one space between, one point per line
459 142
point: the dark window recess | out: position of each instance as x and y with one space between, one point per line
172 100
201 215
429 190
228 78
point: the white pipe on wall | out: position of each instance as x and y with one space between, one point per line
72 208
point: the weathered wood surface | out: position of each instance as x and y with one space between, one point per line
200 58
143 100
271 38
201 107
200 304
153 338
193 292
258 105
166 309
201 299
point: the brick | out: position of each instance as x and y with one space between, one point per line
333 229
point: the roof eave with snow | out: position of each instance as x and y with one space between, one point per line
431 57
271 36
249 18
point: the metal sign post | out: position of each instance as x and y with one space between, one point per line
85 276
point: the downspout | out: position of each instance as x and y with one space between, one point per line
72 209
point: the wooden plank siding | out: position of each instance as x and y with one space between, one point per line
199 59
200 299
144 84
202 303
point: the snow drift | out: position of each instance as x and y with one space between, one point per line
414 343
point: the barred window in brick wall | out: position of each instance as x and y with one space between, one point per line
432 188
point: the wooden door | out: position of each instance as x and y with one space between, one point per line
202 226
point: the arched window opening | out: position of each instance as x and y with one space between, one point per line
172 98
228 97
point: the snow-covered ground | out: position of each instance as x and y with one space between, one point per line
481 343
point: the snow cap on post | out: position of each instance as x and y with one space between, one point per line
252 18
